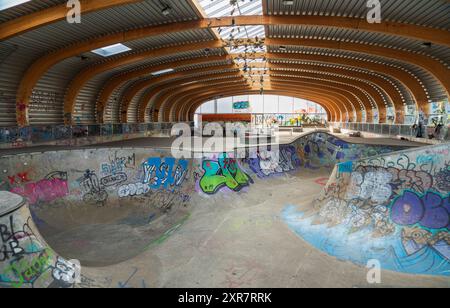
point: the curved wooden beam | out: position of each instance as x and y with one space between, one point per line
378 82
358 87
53 14
409 82
320 70
350 88
225 87
182 95
184 77
195 102
38 68
311 97
220 81
334 93
322 44
413 85
390 89
223 83
345 90
433 66
111 85
146 99
84 77
80 80
57 13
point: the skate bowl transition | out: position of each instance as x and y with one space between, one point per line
108 207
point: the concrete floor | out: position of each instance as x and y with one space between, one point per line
231 241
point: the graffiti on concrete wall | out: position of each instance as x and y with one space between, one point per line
267 162
393 209
323 150
165 173
224 172
53 187
25 262
118 164
443 178
94 192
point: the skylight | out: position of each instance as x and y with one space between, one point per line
111 50
162 72
222 8
247 32
248 50
6 4
249 61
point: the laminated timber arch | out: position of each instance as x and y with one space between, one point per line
417 91
328 102
338 98
366 87
343 97
411 84
318 73
369 84
222 84
433 66
318 98
196 102
329 84
182 95
112 84
181 77
59 12
344 90
84 76
441 37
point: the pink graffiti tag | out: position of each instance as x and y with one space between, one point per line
45 190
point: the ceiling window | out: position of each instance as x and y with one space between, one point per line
222 8
6 4
111 50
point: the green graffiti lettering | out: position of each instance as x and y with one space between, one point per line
223 173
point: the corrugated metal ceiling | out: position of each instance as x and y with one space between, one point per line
430 13
436 91
363 37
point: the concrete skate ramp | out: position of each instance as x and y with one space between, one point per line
393 209
106 207
103 206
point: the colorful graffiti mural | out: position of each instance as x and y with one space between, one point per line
165 173
268 162
53 187
321 150
225 172
393 208
26 262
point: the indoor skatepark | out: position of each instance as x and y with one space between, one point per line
315 144
183 223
